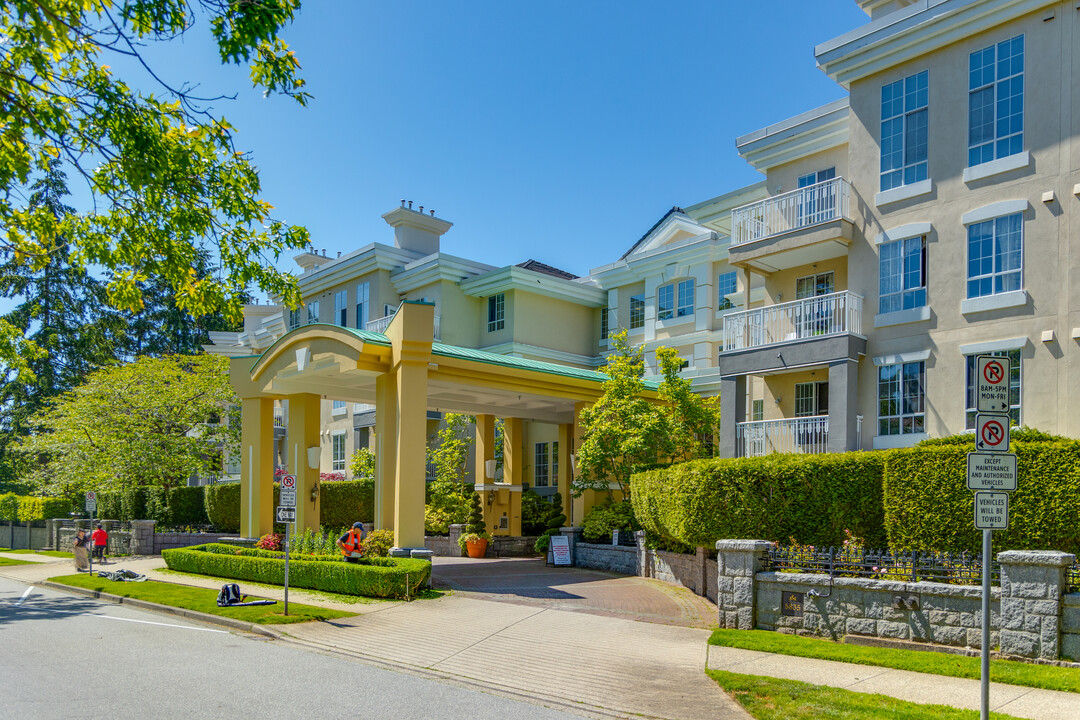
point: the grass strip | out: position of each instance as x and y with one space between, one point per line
50 553
5 562
201 600
768 698
1010 672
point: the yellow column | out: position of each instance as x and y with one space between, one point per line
410 333
304 422
566 473
485 447
385 452
581 504
513 463
256 466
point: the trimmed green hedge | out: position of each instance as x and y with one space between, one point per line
813 498
1017 434
374 577
28 508
342 503
928 505
174 507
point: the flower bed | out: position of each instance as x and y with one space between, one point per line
371 577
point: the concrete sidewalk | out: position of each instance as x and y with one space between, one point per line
1023 702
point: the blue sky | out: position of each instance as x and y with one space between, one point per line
559 131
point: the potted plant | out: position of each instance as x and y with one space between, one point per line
475 539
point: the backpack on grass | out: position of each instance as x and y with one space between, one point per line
230 597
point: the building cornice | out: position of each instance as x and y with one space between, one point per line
557 356
811 132
517 278
434 268
360 262
709 247
912 32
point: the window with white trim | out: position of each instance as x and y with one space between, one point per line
667 295
1014 387
341 299
902 398
995 256
340 407
294 318
541 478
363 304
313 312
604 327
996 101
904 140
757 410
637 311
337 450
902 275
496 312
726 284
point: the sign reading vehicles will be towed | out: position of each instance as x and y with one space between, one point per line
991 471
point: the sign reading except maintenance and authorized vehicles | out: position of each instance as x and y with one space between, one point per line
992 510
991 471
992 432
992 383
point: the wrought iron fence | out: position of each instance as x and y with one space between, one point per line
1072 578
953 568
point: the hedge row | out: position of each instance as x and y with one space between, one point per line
375 577
28 508
813 498
928 505
174 507
341 504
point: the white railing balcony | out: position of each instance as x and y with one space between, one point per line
382 323
833 314
793 435
802 208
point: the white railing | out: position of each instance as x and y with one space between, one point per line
807 206
794 435
382 323
831 314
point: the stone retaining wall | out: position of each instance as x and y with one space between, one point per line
166 541
1030 615
612 558
22 536
499 546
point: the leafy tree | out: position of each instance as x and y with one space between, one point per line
622 431
150 422
164 176
448 494
362 463
692 421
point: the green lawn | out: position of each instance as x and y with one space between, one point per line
1011 672
768 698
50 553
202 600
4 562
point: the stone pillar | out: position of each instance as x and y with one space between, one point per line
644 555
1032 583
738 562
304 422
732 412
574 535
385 454
513 464
142 537
256 467
456 531
53 530
843 406
701 559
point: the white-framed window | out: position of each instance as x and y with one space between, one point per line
340 407
902 398
337 457
902 275
726 284
605 328
555 461
637 311
904 136
1014 387
313 312
496 312
541 478
363 304
996 101
817 203
814 285
294 318
341 299
995 256
811 399
388 309
675 300
757 410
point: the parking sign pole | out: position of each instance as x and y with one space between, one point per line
287 568
984 673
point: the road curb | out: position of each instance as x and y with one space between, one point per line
165 609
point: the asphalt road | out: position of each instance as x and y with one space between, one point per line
67 656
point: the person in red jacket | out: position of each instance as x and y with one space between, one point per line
351 543
101 539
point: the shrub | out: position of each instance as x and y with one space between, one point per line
534 513
372 577
542 543
346 501
378 543
1018 434
223 506
476 528
811 497
928 506
437 520
29 508
601 520
109 505
270 541
556 518
187 505
9 507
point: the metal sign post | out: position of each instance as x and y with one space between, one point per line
991 473
286 513
91 506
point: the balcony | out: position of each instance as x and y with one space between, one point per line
796 228
833 314
794 435
382 323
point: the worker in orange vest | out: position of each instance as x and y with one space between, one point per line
351 543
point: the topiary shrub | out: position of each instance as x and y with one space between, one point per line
371 577
601 520
813 498
556 518
533 513
476 528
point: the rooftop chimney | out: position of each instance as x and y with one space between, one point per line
413 230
